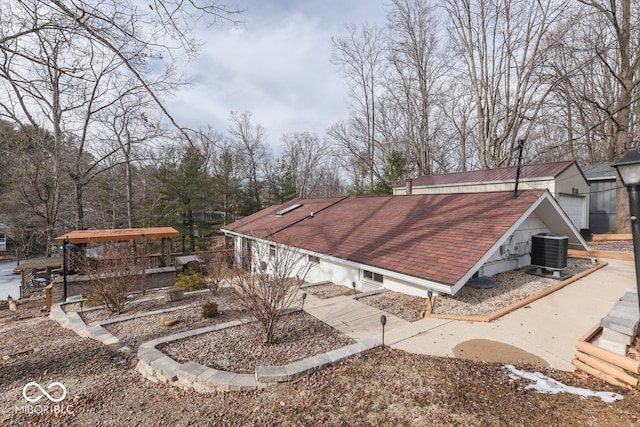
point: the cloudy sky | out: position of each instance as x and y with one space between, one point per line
275 65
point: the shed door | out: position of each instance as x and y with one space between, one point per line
574 207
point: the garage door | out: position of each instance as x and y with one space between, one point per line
574 207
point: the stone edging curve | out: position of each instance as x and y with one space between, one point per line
158 367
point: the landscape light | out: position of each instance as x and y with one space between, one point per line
383 321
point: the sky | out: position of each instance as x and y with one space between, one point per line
276 65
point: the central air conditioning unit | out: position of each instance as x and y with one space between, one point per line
549 252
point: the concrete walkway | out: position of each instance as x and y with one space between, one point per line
548 328
352 317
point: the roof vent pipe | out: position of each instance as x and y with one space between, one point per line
520 147
408 186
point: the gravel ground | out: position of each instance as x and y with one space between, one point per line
612 246
383 387
404 306
513 286
139 330
239 349
329 290
153 300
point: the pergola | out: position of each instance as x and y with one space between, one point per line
81 237
118 234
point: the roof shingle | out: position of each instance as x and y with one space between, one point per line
437 237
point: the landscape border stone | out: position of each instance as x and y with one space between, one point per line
157 367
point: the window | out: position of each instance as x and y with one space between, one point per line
314 259
369 275
272 251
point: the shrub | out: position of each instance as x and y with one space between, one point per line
93 300
112 275
190 282
209 310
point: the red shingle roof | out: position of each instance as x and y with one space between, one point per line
539 170
437 237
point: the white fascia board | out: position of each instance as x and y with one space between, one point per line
549 206
442 288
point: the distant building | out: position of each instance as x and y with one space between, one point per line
602 196
564 180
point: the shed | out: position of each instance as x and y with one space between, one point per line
564 180
602 196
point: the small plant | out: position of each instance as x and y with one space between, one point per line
190 282
209 310
93 300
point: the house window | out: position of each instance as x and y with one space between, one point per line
314 259
370 275
272 251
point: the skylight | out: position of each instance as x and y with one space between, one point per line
288 209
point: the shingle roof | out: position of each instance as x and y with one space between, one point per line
599 170
538 170
437 237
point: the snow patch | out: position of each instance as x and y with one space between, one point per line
544 384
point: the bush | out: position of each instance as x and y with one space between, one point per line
190 282
209 310
93 300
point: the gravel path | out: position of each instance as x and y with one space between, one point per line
239 349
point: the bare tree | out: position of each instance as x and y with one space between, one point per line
252 153
416 69
123 29
271 287
308 156
502 45
359 54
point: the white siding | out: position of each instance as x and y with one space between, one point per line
515 252
475 187
576 208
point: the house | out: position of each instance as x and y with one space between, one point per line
411 244
564 180
602 196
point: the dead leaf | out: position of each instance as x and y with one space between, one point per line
304 405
